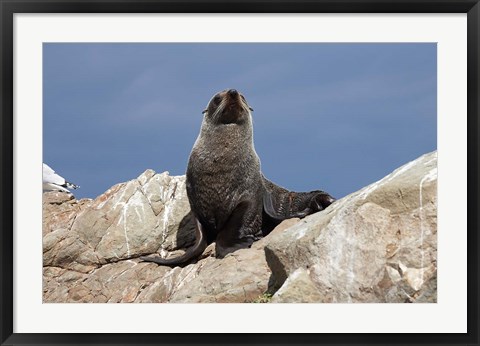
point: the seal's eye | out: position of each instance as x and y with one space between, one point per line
216 100
204 111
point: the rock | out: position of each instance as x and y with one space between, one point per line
60 209
62 247
142 216
97 249
240 277
376 245
139 217
298 288
245 276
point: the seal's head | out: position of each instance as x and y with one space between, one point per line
228 107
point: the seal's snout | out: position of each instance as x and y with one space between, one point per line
232 93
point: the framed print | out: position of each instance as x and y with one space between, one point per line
250 173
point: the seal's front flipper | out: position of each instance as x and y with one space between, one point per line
239 232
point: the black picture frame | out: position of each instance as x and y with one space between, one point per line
10 7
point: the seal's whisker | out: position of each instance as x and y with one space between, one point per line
245 106
219 110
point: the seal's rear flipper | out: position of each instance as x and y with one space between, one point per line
320 200
280 208
281 204
192 253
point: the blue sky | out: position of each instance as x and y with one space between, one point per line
335 117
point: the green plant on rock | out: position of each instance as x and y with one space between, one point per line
264 298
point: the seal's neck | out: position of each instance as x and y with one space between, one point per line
238 132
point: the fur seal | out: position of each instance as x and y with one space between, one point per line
233 203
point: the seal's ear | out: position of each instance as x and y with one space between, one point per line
204 111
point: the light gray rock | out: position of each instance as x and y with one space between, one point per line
298 288
240 277
142 216
60 210
97 249
61 246
376 245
